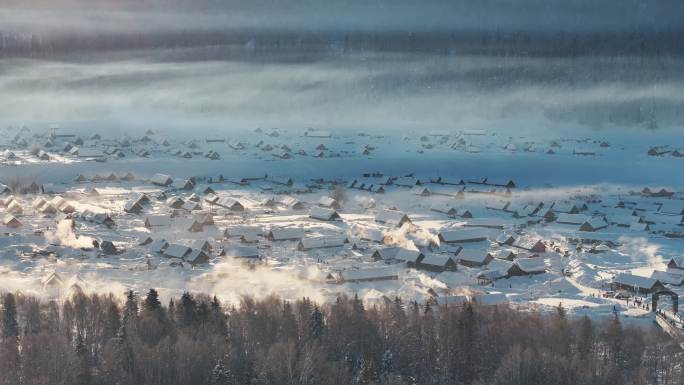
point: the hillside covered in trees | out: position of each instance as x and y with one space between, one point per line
94 339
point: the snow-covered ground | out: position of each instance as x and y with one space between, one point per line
529 189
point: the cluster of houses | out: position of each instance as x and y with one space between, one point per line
479 227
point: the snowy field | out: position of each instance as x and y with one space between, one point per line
105 162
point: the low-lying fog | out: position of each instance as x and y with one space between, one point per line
186 90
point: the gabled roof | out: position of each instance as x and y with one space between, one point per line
530 265
373 235
284 234
445 209
565 207
668 277
197 256
372 274
161 180
157 221
241 251
530 244
672 207
677 262
396 253
392 217
324 214
182 184
463 235
327 201
132 206
239 231
11 221
406 181
489 223
176 251
479 257
439 260
571 219
159 245
593 224
635 281
490 299
230 203
321 242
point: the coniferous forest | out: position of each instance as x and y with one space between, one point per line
195 339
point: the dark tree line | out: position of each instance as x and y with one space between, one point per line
96 339
53 45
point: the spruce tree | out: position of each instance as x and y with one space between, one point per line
185 311
131 308
152 301
316 324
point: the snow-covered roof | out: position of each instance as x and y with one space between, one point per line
157 220
327 201
239 231
452 300
230 203
176 251
440 260
636 281
473 256
672 207
530 265
241 251
397 253
571 219
668 278
323 214
490 299
371 274
463 235
161 179
321 242
391 217
284 234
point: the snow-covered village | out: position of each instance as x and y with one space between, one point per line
387 192
217 226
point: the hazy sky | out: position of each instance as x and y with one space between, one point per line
105 16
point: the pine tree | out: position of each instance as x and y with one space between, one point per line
560 311
185 311
152 301
316 324
131 308
172 308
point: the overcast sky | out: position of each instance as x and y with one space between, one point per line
107 16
